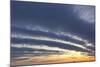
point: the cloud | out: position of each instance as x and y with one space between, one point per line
86 13
56 33
38 47
44 47
51 40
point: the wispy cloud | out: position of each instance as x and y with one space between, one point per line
86 13
51 40
59 33
38 47
44 47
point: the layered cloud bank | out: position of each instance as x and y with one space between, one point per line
51 33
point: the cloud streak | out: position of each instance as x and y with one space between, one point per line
51 40
58 33
44 47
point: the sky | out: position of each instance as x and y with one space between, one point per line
44 29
